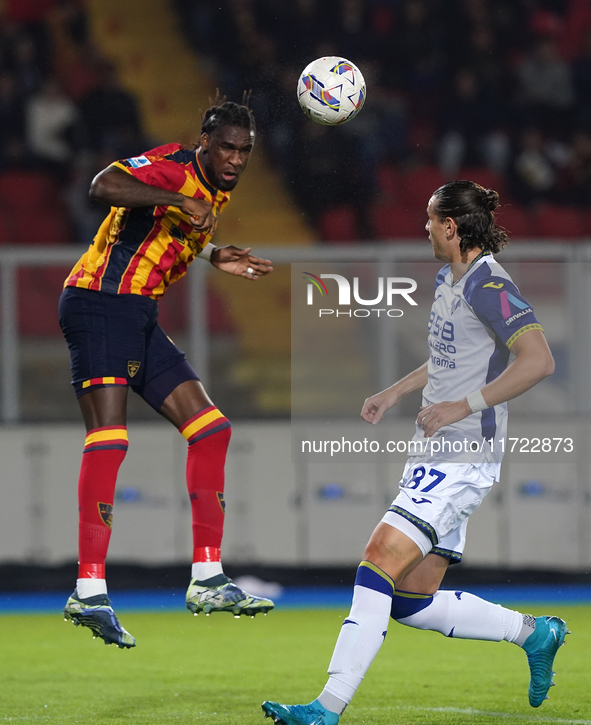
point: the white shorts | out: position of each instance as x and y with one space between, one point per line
435 501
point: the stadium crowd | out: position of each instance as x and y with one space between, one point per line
63 116
502 89
497 91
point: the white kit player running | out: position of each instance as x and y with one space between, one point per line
485 347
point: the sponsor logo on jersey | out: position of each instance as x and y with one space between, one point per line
518 315
442 362
507 299
441 347
106 513
132 367
138 161
455 304
494 285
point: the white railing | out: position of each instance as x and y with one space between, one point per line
579 298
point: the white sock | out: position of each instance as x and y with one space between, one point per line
362 634
527 628
465 616
332 703
202 570
90 587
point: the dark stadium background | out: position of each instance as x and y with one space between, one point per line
497 91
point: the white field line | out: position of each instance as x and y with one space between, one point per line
485 713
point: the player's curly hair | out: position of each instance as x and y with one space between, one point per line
228 113
473 208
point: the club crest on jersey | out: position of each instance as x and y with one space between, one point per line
132 367
106 513
455 304
138 161
221 501
177 233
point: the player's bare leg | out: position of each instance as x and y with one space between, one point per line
104 406
105 414
207 431
184 401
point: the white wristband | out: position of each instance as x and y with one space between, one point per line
476 401
207 251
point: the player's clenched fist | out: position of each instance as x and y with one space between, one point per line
374 408
200 213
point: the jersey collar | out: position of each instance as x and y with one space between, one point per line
477 258
201 174
484 253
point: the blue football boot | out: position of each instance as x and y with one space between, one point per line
97 614
312 714
541 648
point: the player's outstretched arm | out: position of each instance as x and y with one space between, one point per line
240 262
115 187
533 363
374 408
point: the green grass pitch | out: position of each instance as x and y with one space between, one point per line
218 669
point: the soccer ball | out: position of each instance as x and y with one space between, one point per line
331 90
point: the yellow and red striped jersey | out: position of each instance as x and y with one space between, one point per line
143 250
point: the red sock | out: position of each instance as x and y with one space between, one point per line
104 451
208 434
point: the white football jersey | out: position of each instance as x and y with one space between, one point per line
472 325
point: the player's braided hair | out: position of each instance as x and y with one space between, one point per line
228 113
473 209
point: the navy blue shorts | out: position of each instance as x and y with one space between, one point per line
116 340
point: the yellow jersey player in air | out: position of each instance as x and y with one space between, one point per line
164 208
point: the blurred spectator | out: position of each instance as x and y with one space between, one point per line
577 24
11 112
110 117
16 154
534 169
413 60
545 87
279 117
299 26
576 176
352 28
471 123
86 214
379 133
319 176
50 119
581 71
27 61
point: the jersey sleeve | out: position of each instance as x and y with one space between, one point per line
498 304
154 170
